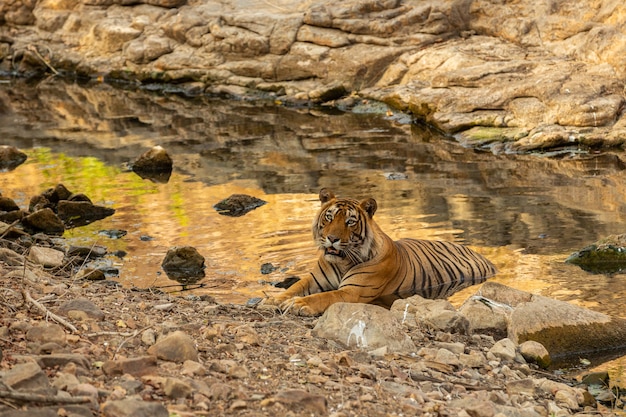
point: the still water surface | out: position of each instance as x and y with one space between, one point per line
526 213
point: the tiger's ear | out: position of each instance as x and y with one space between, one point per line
326 195
369 206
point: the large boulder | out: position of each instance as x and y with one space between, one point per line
564 329
363 326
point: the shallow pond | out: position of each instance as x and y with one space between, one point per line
527 213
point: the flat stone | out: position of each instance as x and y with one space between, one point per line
133 408
46 333
27 377
138 366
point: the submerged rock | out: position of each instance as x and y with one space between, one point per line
607 255
238 204
80 213
11 157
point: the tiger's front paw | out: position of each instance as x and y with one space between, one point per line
299 306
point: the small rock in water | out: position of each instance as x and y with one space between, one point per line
286 283
395 176
113 233
238 204
607 255
44 220
268 268
184 264
81 213
11 157
155 165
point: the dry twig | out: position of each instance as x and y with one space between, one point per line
47 312
39 398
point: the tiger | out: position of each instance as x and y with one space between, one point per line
359 263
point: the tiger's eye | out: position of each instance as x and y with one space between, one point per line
351 222
328 216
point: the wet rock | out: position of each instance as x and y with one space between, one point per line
175 347
45 221
133 408
85 252
364 326
84 305
11 158
57 193
607 255
535 352
238 204
39 202
184 264
268 268
435 314
12 217
7 204
139 366
46 257
113 233
154 164
80 213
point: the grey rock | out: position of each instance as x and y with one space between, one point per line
28 377
364 326
46 257
434 314
564 329
82 304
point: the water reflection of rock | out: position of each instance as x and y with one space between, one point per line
524 200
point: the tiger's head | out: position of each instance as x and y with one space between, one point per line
342 228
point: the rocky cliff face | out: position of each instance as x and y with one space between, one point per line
512 76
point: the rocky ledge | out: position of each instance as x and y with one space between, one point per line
511 77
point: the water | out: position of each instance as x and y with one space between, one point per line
526 213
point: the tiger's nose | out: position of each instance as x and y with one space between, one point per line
333 238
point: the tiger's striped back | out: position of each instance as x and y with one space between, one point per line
437 269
